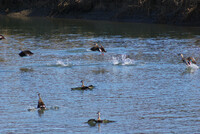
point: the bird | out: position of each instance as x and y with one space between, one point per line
94 121
192 60
102 49
2 37
25 53
95 47
188 60
99 119
41 104
83 87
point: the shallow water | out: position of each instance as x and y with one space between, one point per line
140 82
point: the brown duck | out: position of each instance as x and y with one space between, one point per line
25 53
94 121
188 60
102 49
83 87
95 47
41 104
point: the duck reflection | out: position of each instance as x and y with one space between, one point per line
41 112
100 71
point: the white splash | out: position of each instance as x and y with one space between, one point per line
61 63
122 60
193 66
115 60
31 108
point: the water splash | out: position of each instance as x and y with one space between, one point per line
31 108
122 60
193 66
61 63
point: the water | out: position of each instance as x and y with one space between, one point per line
140 82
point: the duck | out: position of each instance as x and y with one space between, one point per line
188 60
102 49
25 53
95 47
41 104
94 121
192 60
83 87
2 37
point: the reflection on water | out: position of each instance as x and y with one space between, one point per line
140 82
26 69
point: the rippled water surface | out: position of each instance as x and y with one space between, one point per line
140 82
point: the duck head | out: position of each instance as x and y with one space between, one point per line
181 55
99 115
82 83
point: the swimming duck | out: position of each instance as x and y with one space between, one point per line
25 53
2 37
95 47
83 87
41 104
93 121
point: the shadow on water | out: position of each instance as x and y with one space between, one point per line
55 27
41 111
23 69
100 70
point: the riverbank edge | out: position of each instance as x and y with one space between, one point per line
96 17
88 11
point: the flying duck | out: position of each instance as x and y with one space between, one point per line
102 49
41 104
188 60
2 37
25 53
95 47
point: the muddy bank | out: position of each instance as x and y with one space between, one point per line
178 12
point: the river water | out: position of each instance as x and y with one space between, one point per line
141 82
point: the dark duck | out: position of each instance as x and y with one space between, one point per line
102 49
25 53
92 122
83 87
97 48
41 104
2 37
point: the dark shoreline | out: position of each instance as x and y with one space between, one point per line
150 11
